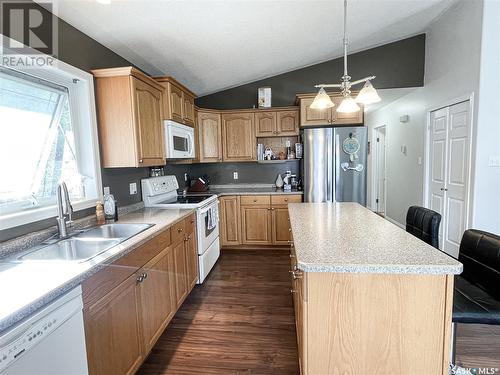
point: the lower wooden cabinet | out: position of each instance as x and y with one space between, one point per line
112 332
255 220
256 225
123 323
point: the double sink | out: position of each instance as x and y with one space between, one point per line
85 244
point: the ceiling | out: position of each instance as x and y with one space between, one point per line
211 45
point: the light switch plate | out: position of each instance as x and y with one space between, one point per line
133 188
235 175
106 190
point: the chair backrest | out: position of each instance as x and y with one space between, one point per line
424 224
480 255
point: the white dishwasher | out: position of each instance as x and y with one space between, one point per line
49 342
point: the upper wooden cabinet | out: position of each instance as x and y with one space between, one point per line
276 122
129 106
178 101
329 116
238 136
210 136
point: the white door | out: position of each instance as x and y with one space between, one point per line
449 171
380 170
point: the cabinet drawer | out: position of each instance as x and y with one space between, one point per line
178 231
190 224
250 200
285 199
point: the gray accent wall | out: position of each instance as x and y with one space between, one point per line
396 65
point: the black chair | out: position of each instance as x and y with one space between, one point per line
476 298
424 224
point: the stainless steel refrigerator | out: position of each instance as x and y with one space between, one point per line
334 164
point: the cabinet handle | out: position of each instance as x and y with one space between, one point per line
142 277
292 291
444 189
192 221
292 256
140 161
179 230
289 229
297 274
286 199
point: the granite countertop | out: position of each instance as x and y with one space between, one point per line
347 237
28 286
248 189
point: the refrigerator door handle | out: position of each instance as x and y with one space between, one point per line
330 184
337 165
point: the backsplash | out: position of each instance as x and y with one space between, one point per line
222 173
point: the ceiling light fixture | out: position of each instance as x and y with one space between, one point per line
367 95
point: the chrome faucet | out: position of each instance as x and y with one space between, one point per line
65 210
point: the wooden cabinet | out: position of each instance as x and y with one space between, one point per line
255 219
178 101
238 137
283 122
129 106
156 291
329 116
229 220
210 136
265 124
112 332
256 225
128 304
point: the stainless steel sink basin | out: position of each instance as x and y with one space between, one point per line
87 244
73 249
122 231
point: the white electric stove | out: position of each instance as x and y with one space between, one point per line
161 192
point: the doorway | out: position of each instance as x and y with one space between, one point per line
380 169
448 172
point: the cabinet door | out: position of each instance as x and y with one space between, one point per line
112 335
355 118
147 106
310 117
191 260
265 124
230 220
287 123
181 287
210 131
157 296
256 225
188 101
281 226
238 137
176 103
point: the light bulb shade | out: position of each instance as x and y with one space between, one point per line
348 105
322 100
368 94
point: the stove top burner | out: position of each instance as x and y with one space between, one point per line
186 199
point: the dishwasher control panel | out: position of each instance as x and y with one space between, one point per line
26 335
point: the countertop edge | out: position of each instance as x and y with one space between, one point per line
53 294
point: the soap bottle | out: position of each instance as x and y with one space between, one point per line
99 213
109 207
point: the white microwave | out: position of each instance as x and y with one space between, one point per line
179 140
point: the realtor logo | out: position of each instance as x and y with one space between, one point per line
31 31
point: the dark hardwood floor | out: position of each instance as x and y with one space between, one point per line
478 346
240 321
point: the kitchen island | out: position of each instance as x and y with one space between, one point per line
369 298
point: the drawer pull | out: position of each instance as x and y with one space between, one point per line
297 274
292 291
179 230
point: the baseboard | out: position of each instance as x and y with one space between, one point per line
395 222
256 247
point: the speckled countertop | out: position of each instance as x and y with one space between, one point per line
27 286
347 237
249 189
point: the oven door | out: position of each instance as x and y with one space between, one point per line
208 231
179 141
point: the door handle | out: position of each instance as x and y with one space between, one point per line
444 189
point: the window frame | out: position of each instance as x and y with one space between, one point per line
82 104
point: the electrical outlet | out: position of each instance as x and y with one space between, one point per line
133 188
235 175
106 190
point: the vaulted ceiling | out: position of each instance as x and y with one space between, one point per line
211 45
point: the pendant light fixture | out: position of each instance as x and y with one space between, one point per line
367 95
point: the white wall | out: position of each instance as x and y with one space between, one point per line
451 71
486 210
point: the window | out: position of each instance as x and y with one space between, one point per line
47 135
